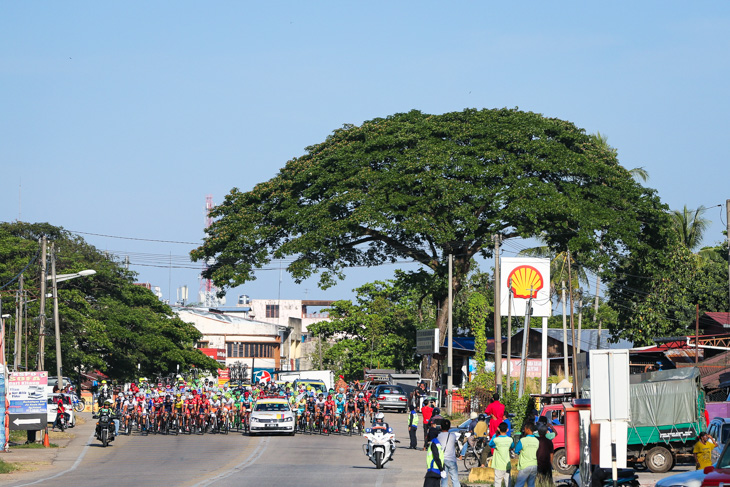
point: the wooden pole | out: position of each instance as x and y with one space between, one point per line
497 317
42 331
697 335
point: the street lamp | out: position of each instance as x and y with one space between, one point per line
55 280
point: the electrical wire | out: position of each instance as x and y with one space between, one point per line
136 238
19 273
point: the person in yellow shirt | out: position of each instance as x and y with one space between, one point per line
703 450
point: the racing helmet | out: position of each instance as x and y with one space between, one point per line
379 417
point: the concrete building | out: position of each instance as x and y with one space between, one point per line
280 311
250 342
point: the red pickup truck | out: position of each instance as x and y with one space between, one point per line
555 415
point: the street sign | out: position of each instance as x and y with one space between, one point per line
427 341
28 400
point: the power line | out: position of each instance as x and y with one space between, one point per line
136 238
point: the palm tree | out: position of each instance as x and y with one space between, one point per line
558 266
690 226
638 173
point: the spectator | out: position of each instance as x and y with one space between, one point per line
703 450
549 431
426 412
527 463
449 444
501 461
481 433
544 477
495 411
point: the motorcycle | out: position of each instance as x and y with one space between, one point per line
603 477
79 404
380 446
105 429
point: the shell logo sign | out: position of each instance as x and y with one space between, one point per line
525 281
524 278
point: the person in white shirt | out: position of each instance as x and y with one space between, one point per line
449 444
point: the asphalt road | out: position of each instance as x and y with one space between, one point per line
233 459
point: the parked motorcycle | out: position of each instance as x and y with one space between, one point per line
105 429
602 477
380 446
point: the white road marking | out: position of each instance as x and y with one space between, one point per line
250 460
71 469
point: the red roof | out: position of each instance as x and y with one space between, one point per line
720 317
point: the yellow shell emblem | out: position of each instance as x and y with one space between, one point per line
525 281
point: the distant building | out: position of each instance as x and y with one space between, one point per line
253 343
281 311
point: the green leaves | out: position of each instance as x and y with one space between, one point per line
107 322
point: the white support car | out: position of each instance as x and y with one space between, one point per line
272 415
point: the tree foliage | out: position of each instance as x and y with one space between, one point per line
478 315
106 322
690 226
656 296
379 330
418 187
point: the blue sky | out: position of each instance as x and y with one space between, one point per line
119 118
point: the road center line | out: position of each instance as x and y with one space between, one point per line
250 460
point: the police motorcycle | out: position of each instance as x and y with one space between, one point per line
381 442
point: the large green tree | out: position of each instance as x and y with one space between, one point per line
106 322
378 330
418 187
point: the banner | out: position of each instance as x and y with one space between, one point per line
534 367
525 278
28 400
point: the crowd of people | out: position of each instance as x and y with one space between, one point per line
490 432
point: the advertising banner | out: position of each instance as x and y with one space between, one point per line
534 367
525 278
28 399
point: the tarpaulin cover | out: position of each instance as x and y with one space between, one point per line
664 397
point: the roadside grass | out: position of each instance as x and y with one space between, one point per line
6 467
19 438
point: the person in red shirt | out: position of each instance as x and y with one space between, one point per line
495 411
426 412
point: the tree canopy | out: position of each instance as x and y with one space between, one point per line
106 322
417 187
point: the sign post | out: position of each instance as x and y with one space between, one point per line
611 406
28 400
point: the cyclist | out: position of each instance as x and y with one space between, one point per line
350 411
340 409
373 406
362 407
329 414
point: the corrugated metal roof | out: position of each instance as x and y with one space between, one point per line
588 339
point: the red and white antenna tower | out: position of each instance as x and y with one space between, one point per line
208 291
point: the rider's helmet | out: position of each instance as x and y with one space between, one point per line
482 417
339 396
108 402
379 417
103 382
361 395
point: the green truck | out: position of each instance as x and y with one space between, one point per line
667 414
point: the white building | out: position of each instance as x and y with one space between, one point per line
280 311
253 343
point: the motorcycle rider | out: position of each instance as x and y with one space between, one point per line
106 409
379 424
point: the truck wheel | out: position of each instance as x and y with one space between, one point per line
560 463
659 460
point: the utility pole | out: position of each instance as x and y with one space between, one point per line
727 219
42 331
697 335
566 371
525 345
18 325
580 314
56 323
572 322
509 333
497 317
450 356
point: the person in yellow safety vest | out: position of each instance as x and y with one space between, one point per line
435 460
413 427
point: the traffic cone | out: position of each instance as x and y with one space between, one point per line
46 442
